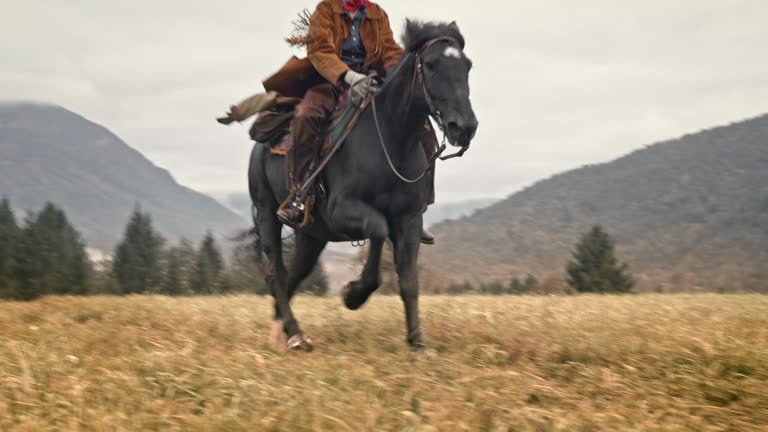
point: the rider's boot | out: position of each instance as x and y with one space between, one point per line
427 237
299 163
293 213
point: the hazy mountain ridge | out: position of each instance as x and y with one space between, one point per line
689 213
48 153
240 203
441 212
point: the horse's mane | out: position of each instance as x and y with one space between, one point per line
418 33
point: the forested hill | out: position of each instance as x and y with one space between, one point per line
48 153
687 214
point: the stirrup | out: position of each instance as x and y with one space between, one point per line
298 205
303 206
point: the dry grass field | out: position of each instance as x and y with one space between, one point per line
634 363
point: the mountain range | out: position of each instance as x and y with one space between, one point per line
687 214
48 153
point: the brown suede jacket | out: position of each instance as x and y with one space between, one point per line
329 28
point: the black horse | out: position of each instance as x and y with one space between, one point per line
367 197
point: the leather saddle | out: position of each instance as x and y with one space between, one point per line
272 127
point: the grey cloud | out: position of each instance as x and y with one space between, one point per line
555 84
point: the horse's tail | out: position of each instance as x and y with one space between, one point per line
251 238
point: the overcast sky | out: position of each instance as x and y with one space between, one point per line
556 84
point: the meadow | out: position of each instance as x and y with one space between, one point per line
581 363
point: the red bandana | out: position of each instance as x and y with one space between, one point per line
353 5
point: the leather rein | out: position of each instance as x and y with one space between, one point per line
434 112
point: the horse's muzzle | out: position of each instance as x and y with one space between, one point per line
460 133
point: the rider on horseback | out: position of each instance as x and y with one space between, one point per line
346 40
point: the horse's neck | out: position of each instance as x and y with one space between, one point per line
401 111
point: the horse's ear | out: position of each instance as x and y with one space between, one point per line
411 26
455 27
409 32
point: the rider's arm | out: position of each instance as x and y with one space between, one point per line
321 47
392 51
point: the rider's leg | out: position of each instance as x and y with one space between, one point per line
308 127
427 237
430 145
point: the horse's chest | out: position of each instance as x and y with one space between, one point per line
397 201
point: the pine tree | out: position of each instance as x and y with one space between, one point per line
50 257
594 267
209 266
245 273
210 250
530 283
9 236
517 287
178 269
137 261
173 278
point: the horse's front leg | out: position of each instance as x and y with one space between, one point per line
356 293
357 220
406 237
270 231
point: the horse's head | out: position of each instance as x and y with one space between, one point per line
444 70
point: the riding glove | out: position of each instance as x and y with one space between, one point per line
360 84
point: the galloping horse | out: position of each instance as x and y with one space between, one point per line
374 187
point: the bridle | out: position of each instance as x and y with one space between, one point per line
434 112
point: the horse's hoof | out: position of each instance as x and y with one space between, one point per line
300 342
351 295
424 351
346 294
277 334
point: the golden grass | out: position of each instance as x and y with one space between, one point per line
634 363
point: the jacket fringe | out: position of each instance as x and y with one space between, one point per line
300 35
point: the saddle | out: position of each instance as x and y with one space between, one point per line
272 127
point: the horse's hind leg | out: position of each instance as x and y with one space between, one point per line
305 256
307 251
356 293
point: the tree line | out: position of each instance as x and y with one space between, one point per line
46 255
593 268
